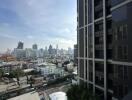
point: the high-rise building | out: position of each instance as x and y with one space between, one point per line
35 47
41 52
50 50
104 46
57 49
19 53
20 45
70 51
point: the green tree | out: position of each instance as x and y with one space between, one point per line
80 92
17 74
1 73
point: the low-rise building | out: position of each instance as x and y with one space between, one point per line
48 68
7 67
7 58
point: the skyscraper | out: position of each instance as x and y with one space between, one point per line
57 49
20 45
104 46
35 47
50 50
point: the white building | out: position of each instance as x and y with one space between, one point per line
48 68
59 71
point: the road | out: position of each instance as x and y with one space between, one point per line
45 92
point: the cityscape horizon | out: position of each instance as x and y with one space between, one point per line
44 47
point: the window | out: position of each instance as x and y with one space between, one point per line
86 67
90 42
86 44
90 14
90 70
81 42
123 52
81 13
125 32
125 72
86 12
119 26
115 2
81 68
121 32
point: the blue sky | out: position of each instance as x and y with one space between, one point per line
37 21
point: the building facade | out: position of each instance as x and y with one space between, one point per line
48 69
20 45
104 46
75 54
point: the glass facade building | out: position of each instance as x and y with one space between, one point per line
104 46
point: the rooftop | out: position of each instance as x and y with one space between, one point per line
46 64
28 96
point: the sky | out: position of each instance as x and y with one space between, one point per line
43 22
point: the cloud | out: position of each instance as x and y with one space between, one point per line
42 21
7 36
30 37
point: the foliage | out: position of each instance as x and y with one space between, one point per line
34 72
59 80
65 63
1 73
80 92
16 74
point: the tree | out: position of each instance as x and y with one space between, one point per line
17 74
80 92
1 73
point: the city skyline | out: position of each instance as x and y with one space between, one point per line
35 21
34 46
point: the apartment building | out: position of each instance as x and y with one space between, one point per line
104 46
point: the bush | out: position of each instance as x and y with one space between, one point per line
1 73
80 92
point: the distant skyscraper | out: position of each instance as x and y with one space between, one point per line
35 47
70 51
20 45
50 49
41 52
57 46
46 48
57 49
